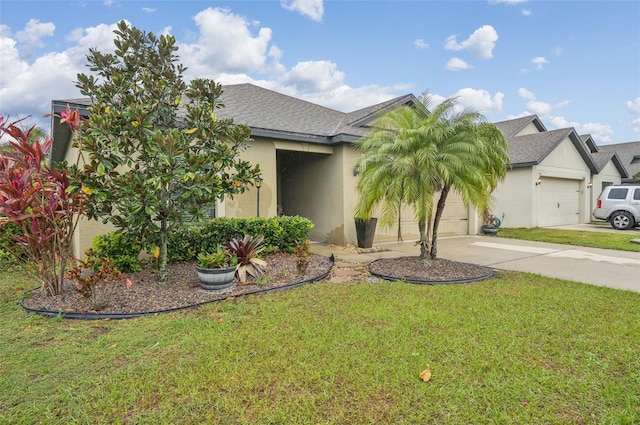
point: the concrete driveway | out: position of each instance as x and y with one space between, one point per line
602 267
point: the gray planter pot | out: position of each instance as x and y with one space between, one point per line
217 279
490 230
365 231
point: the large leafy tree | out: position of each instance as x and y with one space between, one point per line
153 148
418 154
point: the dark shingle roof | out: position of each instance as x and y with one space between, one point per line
629 154
274 114
511 128
532 149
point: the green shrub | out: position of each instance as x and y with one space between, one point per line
184 243
281 234
9 252
121 250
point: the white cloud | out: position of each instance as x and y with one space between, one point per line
526 12
539 61
602 133
479 100
226 44
457 64
542 109
635 125
526 94
30 87
32 34
314 76
314 9
634 106
149 9
480 43
420 43
558 51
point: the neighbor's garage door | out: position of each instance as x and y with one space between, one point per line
559 202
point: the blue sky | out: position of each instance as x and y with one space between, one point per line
573 63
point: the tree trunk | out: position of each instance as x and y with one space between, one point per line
399 221
162 258
436 221
424 244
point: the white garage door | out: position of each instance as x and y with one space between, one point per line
559 202
455 217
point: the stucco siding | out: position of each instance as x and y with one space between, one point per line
513 199
608 175
528 129
263 153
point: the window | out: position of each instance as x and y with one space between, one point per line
605 184
618 193
636 195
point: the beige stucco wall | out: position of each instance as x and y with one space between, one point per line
519 199
263 153
87 229
528 129
565 162
514 198
608 174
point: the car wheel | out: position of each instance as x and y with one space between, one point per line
622 220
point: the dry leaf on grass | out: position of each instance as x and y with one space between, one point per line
425 375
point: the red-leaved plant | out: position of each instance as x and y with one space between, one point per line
41 200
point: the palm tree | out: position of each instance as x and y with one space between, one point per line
417 152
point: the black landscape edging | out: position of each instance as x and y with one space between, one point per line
432 282
116 316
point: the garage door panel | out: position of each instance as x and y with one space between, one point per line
559 202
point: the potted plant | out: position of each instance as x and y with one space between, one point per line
216 270
491 224
247 251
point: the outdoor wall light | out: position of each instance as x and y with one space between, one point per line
589 185
356 171
538 181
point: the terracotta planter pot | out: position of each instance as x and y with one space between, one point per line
217 279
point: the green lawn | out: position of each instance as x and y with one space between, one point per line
620 241
517 348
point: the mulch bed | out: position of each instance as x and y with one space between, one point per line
146 295
428 271
181 289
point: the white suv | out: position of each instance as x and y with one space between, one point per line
620 206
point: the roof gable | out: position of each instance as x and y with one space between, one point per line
532 149
511 128
629 154
601 159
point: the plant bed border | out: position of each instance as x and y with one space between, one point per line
224 295
481 273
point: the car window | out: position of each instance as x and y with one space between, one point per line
618 193
636 195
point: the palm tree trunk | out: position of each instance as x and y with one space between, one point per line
436 221
399 221
424 248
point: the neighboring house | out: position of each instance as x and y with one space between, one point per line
554 178
629 154
307 158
